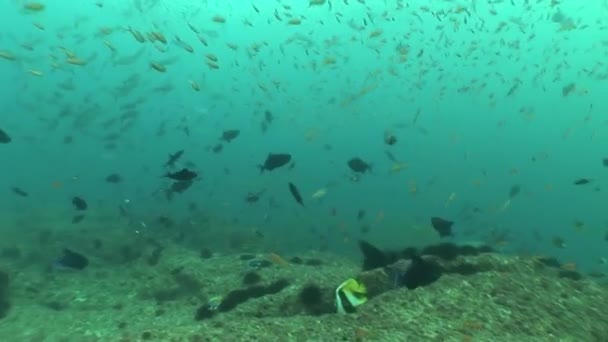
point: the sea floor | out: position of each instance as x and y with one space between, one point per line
153 294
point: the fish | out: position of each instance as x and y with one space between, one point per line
397 167
34 6
320 193
268 117
582 181
173 158
442 226
77 218
182 175
349 295
275 161
358 165
360 214
296 194
391 156
181 186
19 191
79 203
230 135
514 191
389 138
4 137
217 148
559 242
114 178
71 260
253 197
605 162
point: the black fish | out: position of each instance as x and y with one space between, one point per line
253 197
358 165
183 175
167 222
268 117
230 135
582 181
605 162
173 158
391 156
217 148
77 218
274 161
389 138
420 272
19 192
515 189
71 259
360 214
114 178
296 194
373 257
79 203
442 226
4 137
181 186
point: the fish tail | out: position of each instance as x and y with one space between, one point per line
261 167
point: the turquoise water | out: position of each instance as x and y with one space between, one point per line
476 95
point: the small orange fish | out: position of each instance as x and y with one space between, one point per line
219 19
277 259
569 266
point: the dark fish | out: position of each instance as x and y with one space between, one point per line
514 191
181 186
582 181
605 162
389 138
254 197
360 214
373 257
296 194
358 165
167 222
391 157
114 178
4 137
230 135
217 148
19 192
183 175
268 117
442 226
173 158
77 218
274 161
73 260
123 211
79 203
